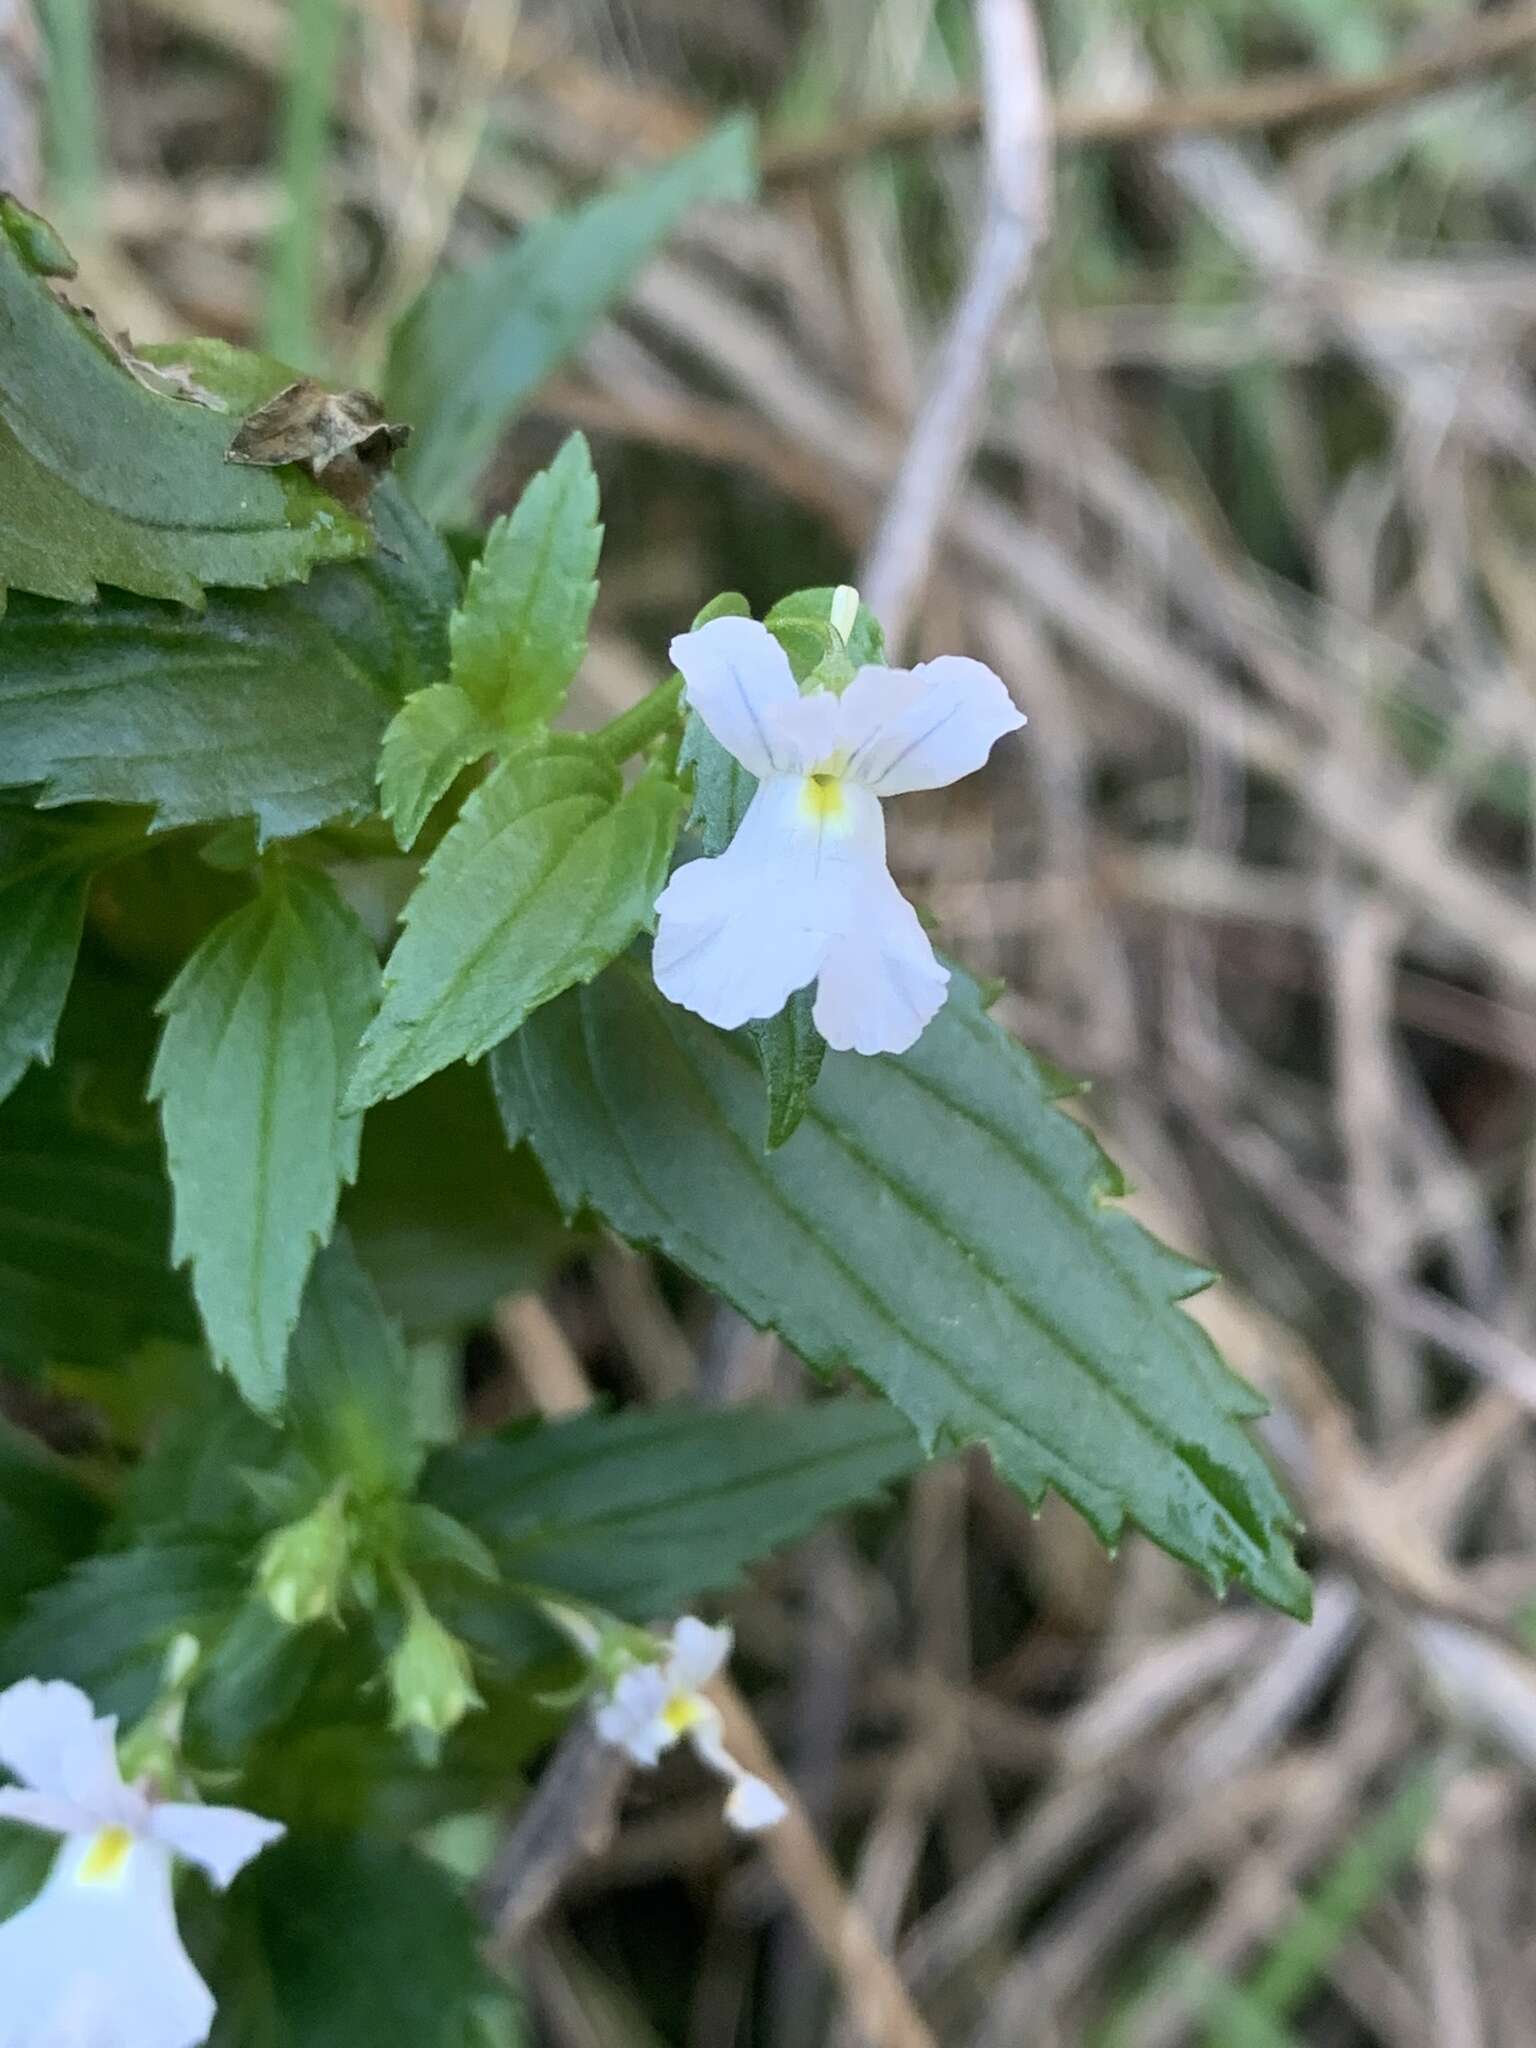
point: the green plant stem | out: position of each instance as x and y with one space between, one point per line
642 722
72 115
291 283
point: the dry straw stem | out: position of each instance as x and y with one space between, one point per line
1286 100
1014 223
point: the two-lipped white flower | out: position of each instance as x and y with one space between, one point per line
96 1960
803 893
650 1707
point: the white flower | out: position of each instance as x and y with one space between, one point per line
652 1706
96 1961
802 893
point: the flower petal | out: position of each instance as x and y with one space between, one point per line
738 935
753 1805
924 727
739 681
698 1652
631 1717
46 1810
880 984
52 1741
220 1840
101 1964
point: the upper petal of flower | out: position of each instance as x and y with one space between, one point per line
46 1810
631 1718
739 681
52 1741
698 1652
924 727
738 935
101 1963
220 1840
880 984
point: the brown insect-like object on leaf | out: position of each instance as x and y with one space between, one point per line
341 437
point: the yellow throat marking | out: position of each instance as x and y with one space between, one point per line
823 800
104 1861
682 1712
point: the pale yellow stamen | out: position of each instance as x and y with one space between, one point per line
104 1861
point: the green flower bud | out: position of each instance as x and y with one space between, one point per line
430 1679
303 1568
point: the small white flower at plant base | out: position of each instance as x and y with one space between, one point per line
802 893
96 1960
652 1706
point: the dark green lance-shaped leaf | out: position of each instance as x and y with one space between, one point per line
105 481
269 705
549 871
517 639
47 1518
108 1623
478 341
341 1941
939 1226
351 1392
260 1026
789 1051
643 1510
443 1216
45 868
85 1208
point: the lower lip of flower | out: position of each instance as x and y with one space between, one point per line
681 1713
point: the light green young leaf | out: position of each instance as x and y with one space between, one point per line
939 1226
259 1027
521 631
268 705
105 481
550 870
644 1510
478 341
43 881
517 639
431 737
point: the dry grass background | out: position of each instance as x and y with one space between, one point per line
1248 530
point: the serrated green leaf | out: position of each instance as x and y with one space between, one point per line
478 341
549 871
789 1051
108 1623
643 1510
351 1386
268 705
47 1518
431 737
85 1211
259 1028
349 1941
43 883
443 1216
939 1226
104 481
521 631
